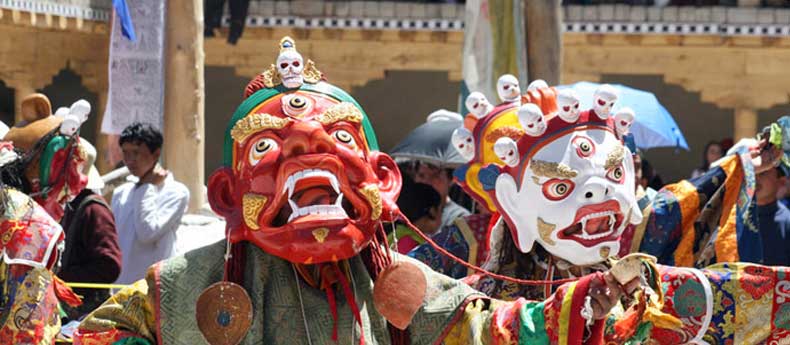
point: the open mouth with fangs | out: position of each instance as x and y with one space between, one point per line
595 224
313 194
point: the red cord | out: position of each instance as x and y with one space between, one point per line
351 301
330 297
479 269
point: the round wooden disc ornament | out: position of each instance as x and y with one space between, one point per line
224 313
399 292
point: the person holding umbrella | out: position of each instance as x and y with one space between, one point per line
433 158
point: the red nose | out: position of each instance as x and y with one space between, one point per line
307 138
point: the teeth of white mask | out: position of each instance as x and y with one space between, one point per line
612 221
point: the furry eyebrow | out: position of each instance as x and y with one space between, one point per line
552 169
343 111
255 123
615 157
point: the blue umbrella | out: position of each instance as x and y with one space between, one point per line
654 125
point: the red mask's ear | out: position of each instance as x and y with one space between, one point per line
220 192
389 185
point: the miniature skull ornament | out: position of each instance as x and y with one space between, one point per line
568 105
62 112
537 84
604 98
290 66
531 118
623 120
507 88
71 123
81 109
507 151
464 142
478 104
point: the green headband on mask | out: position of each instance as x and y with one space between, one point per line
262 95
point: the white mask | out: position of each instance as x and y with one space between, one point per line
569 200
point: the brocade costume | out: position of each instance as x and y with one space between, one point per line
564 184
29 240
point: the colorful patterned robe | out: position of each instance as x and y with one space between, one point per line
705 220
690 223
28 241
467 239
161 308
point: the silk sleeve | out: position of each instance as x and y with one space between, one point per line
728 303
126 318
557 320
708 219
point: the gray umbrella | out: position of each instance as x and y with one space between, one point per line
431 143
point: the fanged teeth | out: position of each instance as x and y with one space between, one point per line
333 210
583 221
320 210
290 183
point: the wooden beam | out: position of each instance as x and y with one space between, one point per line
544 39
745 123
185 97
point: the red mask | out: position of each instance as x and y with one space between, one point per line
303 184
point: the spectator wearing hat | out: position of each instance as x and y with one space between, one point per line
91 253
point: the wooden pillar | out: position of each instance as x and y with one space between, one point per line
745 123
544 39
21 91
184 97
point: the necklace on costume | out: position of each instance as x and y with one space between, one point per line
301 304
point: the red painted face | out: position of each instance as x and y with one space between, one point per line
304 185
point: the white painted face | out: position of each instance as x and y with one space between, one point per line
478 104
575 199
623 121
568 104
507 88
537 84
464 142
290 67
81 109
507 151
604 98
71 123
531 119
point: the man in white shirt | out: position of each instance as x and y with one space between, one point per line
149 207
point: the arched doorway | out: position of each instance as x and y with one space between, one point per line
65 89
6 104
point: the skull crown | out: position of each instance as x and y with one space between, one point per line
290 64
290 69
